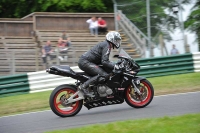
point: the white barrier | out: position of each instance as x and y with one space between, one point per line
196 61
43 81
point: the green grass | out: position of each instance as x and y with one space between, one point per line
176 83
189 123
40 101
24 103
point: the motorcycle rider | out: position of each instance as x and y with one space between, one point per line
97 55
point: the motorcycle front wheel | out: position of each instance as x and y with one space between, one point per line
135 100
58 100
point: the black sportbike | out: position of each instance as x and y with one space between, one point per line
122 84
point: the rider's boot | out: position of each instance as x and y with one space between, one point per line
84 87
85 91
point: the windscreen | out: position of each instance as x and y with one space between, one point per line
123 54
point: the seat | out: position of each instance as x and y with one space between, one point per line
63 68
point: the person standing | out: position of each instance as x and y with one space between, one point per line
93 25
174 50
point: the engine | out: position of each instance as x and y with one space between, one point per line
104 90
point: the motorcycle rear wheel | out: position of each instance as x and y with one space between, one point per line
137 101
57 101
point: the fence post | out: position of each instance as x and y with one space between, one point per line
161 44
36 60
13 69
165 49
74 55
57 59
115 12
144 46
187 46
34 22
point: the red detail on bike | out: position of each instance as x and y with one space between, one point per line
142 89
72 107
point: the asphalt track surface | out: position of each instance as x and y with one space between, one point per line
37 122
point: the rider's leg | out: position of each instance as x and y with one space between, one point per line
93 70
84 87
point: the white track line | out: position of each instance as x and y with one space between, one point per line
178 94
25 113
154 96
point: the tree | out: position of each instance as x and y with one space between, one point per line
21 8
162 19
193 21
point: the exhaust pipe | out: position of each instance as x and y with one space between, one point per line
50 71
47 70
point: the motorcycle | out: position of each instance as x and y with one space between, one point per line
122 84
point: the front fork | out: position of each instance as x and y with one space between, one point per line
135 83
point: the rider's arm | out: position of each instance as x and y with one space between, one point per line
105 57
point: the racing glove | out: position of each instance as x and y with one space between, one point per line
119 66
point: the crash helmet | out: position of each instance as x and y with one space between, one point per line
114 38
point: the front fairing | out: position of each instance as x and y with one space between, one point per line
124 55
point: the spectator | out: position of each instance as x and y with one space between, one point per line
65 39
62 49
93 25
102 26
62 46
174 51
46 54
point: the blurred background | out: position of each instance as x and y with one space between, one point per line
149 28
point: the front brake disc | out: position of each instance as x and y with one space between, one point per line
136 96
132 93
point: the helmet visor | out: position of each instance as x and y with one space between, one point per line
117 43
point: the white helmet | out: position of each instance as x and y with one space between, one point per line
114 38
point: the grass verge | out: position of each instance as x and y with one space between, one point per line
40 101
189 123
176 83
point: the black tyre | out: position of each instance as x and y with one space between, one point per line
58 95
137 101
